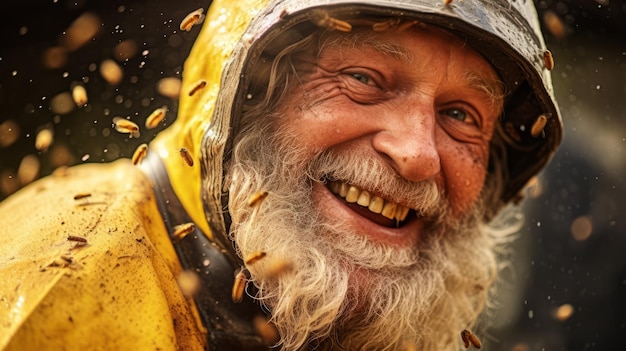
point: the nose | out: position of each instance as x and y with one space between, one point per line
408 143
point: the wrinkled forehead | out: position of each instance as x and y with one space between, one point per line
416 46
407 45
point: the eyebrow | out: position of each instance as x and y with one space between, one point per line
363 39
494 89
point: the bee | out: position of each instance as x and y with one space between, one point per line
44 139
564 312
321 18
139 154
111 72
169 86
79 239
254 257
189 283
182 230
79 94
193 18
266 330
538 126
28 169
408 24
186 156
156 117
548 60
199 85
123 125
554 24
256 198
470 338
81 196
239 286
387 24
278 267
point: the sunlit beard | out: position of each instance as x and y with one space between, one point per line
345 290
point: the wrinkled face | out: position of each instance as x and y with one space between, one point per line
373 165
420 101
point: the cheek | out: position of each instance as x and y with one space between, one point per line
464 173
320 127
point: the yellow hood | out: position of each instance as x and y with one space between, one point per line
222 30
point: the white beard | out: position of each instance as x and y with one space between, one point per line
346 290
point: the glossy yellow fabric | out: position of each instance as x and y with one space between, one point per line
222 29
115 291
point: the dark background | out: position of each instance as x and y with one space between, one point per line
571 248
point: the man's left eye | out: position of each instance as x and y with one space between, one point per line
458 114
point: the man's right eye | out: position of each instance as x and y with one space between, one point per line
365 79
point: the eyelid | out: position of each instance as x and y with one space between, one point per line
375 77
468 109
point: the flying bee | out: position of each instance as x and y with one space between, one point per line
156 117
266 330
182 230
321 18
256 198
408 24
79 94
239 286
123 125
278 267
193 18
186 156
554 24
81 196
538 126
387 24
139 154
548 60
197 86
111 72
189 283
255 257
44 139
79 239
470 338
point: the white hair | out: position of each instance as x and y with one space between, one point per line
345 290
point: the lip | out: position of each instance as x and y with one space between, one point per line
333 207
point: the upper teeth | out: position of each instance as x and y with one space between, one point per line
374 203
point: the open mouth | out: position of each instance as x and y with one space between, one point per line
375 208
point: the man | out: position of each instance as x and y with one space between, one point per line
340 167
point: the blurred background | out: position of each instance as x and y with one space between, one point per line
566 288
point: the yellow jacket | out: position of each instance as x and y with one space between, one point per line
92 273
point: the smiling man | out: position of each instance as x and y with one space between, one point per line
347 163
374 161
